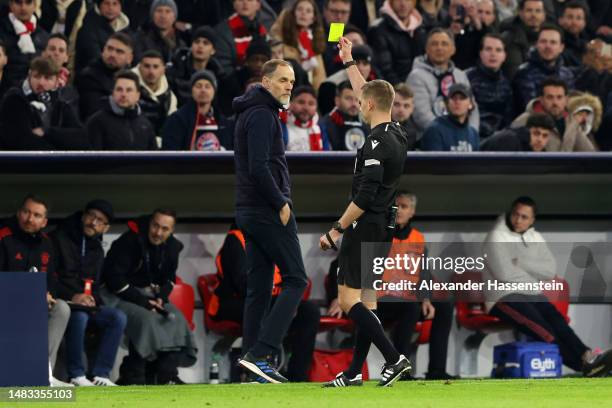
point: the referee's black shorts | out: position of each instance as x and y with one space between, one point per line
355 261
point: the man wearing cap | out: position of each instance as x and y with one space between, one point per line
431 77
104 19
533 137
201 55
237 32
569 135
198 125
452 132
159 34
258 53
157 100
301 130
327 91
77 243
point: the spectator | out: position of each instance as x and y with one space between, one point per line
34 117
334 11
301 130
201 55
601 16
301 30
57 50
4 85
229 305
23 39
25 248
97 80
506 9
518 253
433 12
362 54
157 100
403 106
569 136
140 272
468 29
452 132
487 12
574 21
64 18
364 13
236 33
587 111
343 125
532 138
431 78
198 125
595 74
77 242
258 53
105 19
544 61
278 52
521 33
405 308
138 13
491 88
397 38
195 14
120 125
160 34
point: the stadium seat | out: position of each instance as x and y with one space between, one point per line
560 299
206 286
183 297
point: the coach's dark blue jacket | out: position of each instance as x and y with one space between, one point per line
262 175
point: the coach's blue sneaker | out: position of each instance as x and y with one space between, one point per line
262 368
342 380
393 372
599 365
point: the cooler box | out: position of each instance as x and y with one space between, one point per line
526 360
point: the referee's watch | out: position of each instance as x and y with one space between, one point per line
347 65
336 226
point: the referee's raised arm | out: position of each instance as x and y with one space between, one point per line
346 55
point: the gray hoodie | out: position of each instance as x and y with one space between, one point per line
424 83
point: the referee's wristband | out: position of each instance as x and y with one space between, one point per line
347 65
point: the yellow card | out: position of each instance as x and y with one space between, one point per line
335 32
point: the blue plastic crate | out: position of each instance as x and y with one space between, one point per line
526 360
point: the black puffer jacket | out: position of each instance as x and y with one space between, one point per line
518 39
508 140
18 63
114 128
133 262
394 49
94 84
149 38
77 258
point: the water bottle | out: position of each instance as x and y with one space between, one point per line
213 377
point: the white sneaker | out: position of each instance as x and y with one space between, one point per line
81 381
54 382
103 382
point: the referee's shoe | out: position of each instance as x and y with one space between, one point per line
342 380
262 368
392 372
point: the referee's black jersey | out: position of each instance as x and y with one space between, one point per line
378 167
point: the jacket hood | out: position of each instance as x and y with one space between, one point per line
120 23
256 96
422 63
587 100
416 20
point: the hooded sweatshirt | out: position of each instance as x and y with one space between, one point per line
156 105
262 174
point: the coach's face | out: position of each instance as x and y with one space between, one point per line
280 83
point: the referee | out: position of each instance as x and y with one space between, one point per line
378 167
263 213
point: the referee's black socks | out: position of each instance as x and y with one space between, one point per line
367 323
360 353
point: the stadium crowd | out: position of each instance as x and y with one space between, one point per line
536 75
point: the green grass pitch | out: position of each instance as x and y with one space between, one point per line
566 392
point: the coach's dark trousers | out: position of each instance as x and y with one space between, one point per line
269 243
535 316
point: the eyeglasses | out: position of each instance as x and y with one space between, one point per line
95 219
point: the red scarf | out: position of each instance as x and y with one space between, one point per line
305 38
337 117
203 136
314 131
63 77
242 36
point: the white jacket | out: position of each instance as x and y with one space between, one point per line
514 257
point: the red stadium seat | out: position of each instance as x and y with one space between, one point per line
206 286
183 297
560 299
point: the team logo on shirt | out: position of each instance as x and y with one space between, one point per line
354 138
208 142
375 144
